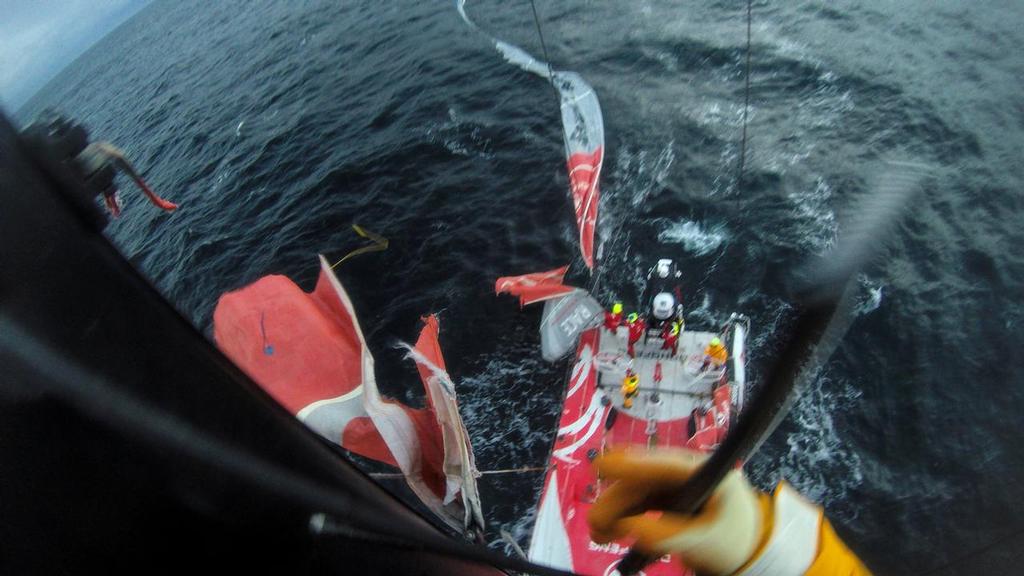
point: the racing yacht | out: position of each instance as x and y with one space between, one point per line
663 394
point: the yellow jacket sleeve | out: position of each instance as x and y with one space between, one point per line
799 541
834 558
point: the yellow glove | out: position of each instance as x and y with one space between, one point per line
739 531
717 541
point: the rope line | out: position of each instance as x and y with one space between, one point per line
523 470
378 244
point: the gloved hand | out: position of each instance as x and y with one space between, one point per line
716 541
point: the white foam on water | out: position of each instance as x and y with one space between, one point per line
665 58
634 177
499 421
695 238
636 172
521 530
813 209
722 114
818 462
870 295
460 137
704 312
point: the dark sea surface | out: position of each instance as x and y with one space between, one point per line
277 126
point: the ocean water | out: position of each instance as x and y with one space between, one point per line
277 125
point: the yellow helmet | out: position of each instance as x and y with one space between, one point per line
716 341
633 317
617 308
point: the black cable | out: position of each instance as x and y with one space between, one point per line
821 293
543 46
137 418
746 100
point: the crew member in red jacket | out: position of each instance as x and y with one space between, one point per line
637 327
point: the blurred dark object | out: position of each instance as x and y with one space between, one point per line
93 165
129 444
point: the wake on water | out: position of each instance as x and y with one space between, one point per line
692 236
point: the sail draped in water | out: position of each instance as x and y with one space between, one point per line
308 352
582 132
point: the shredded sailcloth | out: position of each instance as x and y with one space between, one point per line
582 133
308 352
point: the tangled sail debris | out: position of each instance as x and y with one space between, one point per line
582 133
308 352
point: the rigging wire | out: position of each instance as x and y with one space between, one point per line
595 274
543 45
746 102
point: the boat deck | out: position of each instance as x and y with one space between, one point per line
671 385
678 405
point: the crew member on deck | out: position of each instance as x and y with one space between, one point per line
630 388
740 532
613 319
637 328
714 355
670 337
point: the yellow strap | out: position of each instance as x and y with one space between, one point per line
378 244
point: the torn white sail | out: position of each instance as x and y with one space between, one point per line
308 352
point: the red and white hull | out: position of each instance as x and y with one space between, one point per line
679 404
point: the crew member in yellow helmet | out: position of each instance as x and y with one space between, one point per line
670 336
739 532
715 354
637 329
613 319
630 388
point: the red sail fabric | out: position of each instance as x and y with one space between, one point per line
308 352
584 173
535 287
304 350
459 466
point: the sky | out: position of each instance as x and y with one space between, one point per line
39 38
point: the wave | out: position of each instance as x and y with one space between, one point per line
695 238
870 296
815 458
813 209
